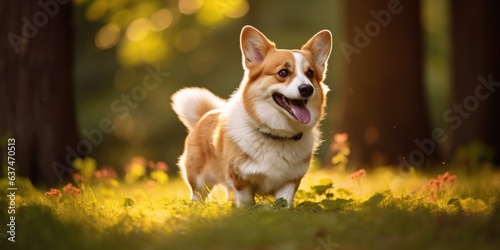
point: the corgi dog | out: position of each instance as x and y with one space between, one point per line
260 140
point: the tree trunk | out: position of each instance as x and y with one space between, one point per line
476 62
385 111
36 98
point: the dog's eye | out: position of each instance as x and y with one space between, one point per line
284 73
310 73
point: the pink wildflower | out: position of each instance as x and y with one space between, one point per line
73 191
436 186
105 173
54 194
358 174
341 137
451 179
161 165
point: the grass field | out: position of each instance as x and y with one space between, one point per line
377 209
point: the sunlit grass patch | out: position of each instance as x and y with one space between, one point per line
346 210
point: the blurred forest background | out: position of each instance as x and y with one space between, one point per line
406 77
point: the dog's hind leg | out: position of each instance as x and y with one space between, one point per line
199 188
190 172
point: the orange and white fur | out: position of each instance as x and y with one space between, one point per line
261 140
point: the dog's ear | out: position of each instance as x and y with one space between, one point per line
320 47
254 46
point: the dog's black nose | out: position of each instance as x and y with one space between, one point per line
306 90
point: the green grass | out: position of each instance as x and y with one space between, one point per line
380 211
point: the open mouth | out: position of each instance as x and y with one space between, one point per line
295 107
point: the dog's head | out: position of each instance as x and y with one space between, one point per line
283 90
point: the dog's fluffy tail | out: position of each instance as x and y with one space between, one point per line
190 104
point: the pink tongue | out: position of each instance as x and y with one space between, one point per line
300 111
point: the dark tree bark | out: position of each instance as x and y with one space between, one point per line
36 98
476 55
384 104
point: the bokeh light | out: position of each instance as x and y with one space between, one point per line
151 50
138 29
107 36
215 11
242 9
161 19
188 7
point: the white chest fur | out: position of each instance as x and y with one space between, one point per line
271 162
